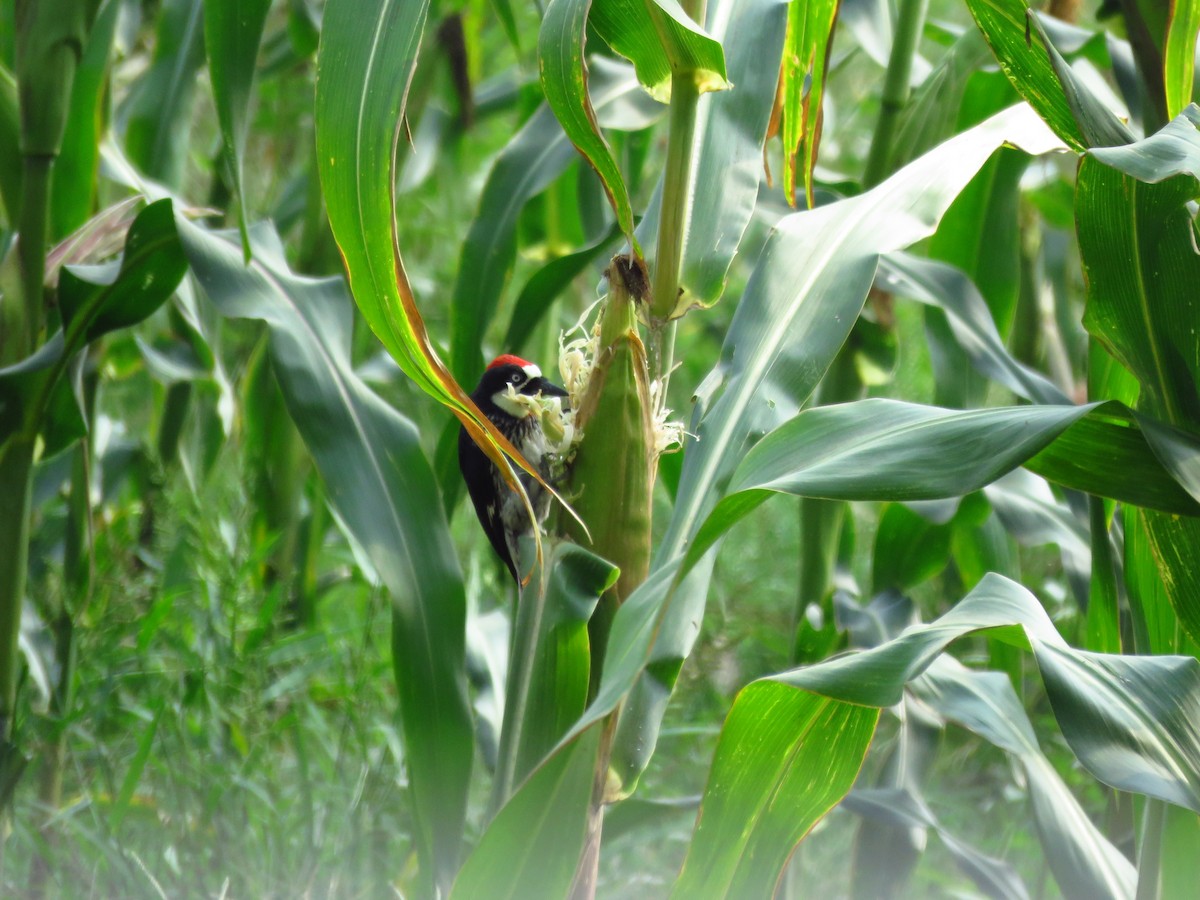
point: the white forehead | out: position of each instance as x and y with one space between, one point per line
531 371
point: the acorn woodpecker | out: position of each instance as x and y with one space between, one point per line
503 395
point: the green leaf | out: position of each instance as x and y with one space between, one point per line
364 68
1098 124
158 110
137 766
659 38
903 809
980 235
1083 860
1173 542
807 45
806 290
784 759
909 549
1179 54
547 284
98 299
11 166
885 450
232 32
1177 450
802 299
731 127
530 162
550 662
1107 455
34 396
888 450
381 488
1172 150
1137 246
1154 624
73 190
1131 721
365 65
970 322
1023 58
564 76
534 843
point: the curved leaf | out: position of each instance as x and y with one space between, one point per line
784 759
364 68
94 300
1107 455
889 450
1173 150
1024 60
1098 124
1083 860
885 450
564 75
660 39
804 296
381 487
1132 721
950 290
798 307
903 807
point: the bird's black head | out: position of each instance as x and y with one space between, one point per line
522 376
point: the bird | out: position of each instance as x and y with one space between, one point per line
500 510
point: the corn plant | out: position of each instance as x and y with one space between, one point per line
1005 199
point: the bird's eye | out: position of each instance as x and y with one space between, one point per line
517 378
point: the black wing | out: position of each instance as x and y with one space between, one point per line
485 489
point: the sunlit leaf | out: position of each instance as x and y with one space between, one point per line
660 39
802 81
1023 59
785 758
1179 54
35 393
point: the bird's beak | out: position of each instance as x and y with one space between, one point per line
542 385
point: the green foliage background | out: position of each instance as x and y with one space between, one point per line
258 644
